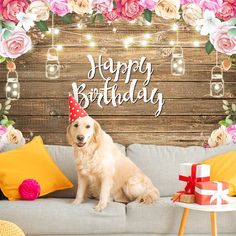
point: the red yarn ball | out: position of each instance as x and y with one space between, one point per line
29 189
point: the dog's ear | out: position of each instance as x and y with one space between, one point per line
68 135
97 131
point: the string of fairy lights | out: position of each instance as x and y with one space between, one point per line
141 40
52 69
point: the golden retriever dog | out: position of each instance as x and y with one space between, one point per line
103 171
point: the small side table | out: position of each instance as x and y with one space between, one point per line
213 209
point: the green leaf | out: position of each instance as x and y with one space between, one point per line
7 102
223 123
225 102
148 15
209 47
232 21
9 25
10 122
2 59
233 107
4 121
99 17
225 107
232 33
7 34
227 112
8 107
67 19
6 112
42 25
229 122
5 117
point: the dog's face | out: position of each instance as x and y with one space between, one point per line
81 131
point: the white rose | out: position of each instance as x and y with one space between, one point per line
40 9
14 136
168 9
191 13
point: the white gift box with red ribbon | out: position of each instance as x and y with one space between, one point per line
190 173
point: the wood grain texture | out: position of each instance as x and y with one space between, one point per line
189 113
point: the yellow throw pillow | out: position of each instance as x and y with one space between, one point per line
31 161
223 168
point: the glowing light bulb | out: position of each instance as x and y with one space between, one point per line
217 87
92 44
180 69
144 43
198 28
79 26
89 36
175 27
59 47
51 68
15 85
56 31
14 93
172 43
175 65
148 23
114 30
147 36
180 61
8 88
196 44
132 21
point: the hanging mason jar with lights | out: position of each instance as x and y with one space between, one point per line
52 64
177 61
217 82
12 86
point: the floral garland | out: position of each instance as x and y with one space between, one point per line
215 18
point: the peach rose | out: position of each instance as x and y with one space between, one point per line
19 43
15 136
221 41
218 137
191 13
168 9
40 9
80 6
10 8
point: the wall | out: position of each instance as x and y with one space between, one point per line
189 113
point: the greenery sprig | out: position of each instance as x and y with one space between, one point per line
4 111
230 112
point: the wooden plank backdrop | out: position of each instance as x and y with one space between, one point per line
189 114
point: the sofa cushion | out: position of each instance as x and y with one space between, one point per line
63 156
164 218
161 163
58 216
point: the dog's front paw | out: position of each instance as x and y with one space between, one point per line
77 201
100 206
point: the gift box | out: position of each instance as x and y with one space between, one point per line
183 197
212 193
192 173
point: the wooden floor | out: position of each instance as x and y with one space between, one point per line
189 114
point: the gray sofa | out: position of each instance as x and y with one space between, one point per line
55 215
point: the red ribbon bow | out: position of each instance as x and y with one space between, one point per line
191 180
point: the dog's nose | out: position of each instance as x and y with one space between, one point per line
80 138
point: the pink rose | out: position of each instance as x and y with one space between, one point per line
3 130
18 44
59 7
221 41
9 9
184 2
148 4
227 11
211 5
129 9
232 131
102 5
111 15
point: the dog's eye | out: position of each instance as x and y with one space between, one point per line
76 125
87 126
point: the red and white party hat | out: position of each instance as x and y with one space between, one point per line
76 110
